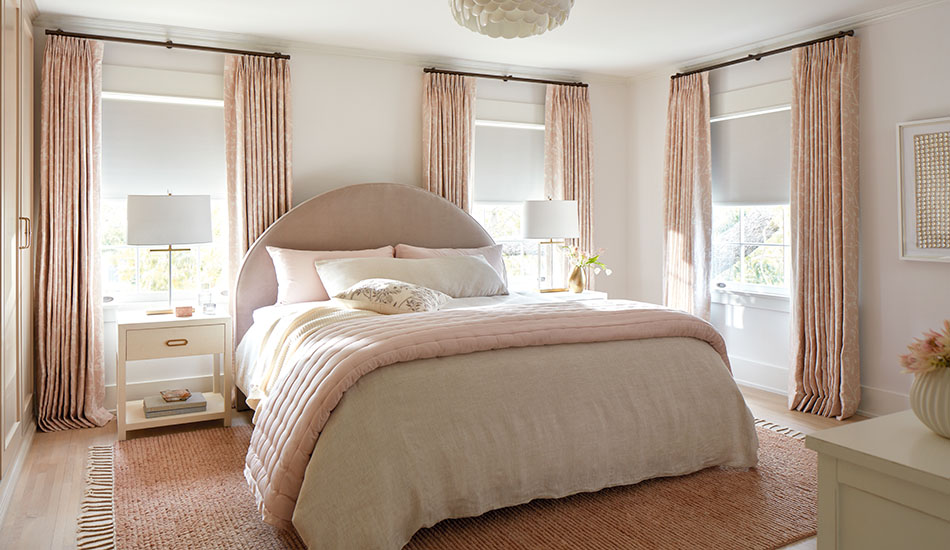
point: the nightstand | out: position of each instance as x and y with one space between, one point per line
163 336
575 296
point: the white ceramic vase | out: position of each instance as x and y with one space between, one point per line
930 400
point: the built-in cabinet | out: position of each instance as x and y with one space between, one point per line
16 231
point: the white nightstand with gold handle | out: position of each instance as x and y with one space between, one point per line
143 336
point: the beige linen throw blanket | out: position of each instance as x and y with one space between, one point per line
328 359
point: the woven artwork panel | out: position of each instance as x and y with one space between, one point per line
932 189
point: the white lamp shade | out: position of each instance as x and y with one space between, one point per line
159 220
550 220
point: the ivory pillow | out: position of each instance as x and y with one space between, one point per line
389 296
297 279
492 253
458 276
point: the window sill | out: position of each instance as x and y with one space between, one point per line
753 299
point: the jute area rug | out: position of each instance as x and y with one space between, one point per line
187 490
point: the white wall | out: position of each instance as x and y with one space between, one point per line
359 119
903 77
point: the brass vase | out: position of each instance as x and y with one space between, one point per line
576 281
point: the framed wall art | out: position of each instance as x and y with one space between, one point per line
923 158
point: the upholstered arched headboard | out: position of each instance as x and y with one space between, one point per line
361 216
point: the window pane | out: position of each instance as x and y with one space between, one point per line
764 265
153 271
726 263
118 270
725 224
213 262
763 224
185 270
113 222
502 221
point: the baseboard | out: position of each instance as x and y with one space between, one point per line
878 402
138 390
758 375
8 483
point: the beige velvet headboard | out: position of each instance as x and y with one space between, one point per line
368 215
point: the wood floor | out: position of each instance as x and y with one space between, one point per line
46 499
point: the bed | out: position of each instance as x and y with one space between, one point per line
377 425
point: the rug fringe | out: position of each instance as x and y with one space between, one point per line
778 428
95 526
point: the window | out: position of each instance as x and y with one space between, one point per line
750 178
154 145
133 273
751 248
509 169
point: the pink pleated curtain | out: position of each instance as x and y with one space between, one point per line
70 383
259 135
569 157
825 374
448 136
688 196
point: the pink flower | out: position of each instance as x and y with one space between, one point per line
928 353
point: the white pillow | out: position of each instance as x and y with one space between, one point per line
297 280
457 276
389 296
492 253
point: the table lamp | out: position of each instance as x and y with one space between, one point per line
549 220
166 221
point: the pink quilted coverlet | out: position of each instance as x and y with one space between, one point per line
333 358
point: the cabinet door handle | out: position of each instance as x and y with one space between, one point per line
176 342
28 233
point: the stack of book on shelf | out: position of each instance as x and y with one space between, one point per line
172 402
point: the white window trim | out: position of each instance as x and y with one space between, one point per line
506 124
752 299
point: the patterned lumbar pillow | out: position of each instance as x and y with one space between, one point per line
391 296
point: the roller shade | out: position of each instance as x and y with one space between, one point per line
751 159
153 148
509 164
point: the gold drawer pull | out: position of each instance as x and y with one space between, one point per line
176 342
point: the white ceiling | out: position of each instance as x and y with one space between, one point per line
618 37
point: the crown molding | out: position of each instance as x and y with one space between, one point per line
855 22
224 39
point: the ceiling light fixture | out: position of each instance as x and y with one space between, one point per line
511 18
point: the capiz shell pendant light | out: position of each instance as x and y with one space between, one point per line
511 18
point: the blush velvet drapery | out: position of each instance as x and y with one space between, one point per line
70 380
259 137
448 136
688 196
825 374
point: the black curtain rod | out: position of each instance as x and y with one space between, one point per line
505 77
167 44
758 56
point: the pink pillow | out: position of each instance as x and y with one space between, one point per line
297 279
491 253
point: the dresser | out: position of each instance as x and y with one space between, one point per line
883 484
